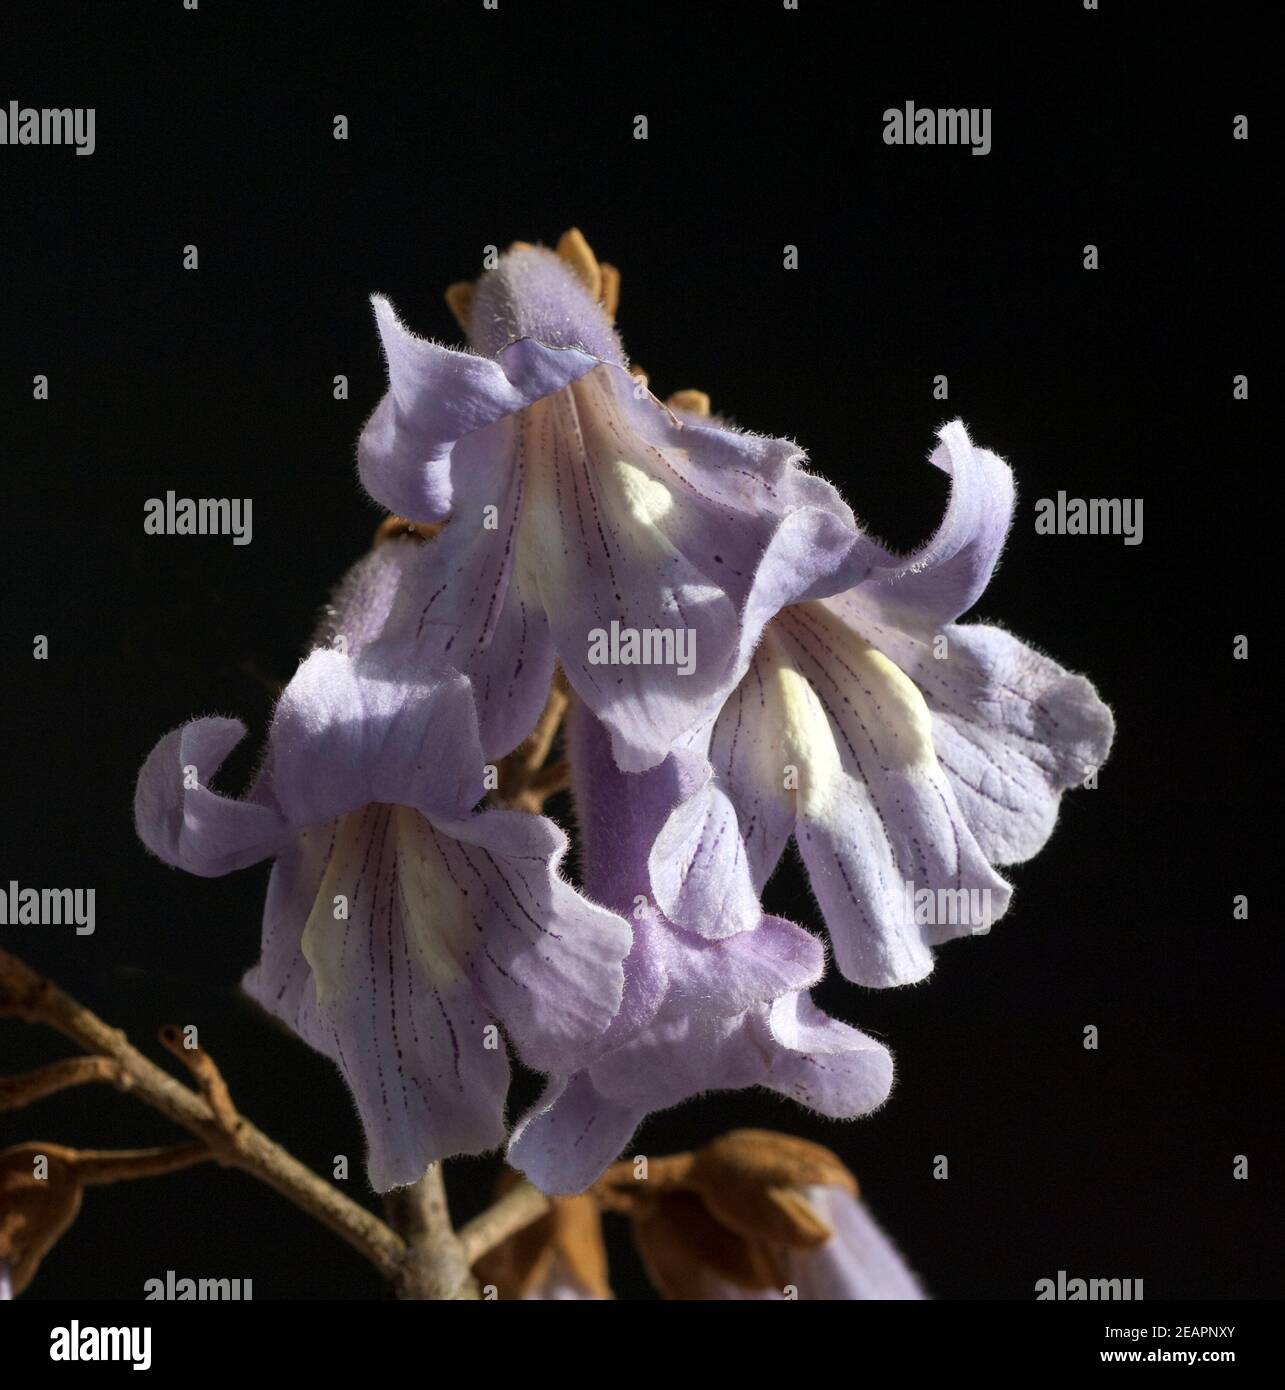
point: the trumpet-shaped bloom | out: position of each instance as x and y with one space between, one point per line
722 1011
906 754
587 522
747 668
399 929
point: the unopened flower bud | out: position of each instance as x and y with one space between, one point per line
761 1215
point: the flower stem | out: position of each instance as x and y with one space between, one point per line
517 1209
435 1267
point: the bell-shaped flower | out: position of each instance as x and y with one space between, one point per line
905 753
587 522
720 1011
401 931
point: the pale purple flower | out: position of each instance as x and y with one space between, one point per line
809 685
399 928
579 505
903 752
720 1011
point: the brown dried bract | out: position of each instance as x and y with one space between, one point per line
729 1211
34 1212
570 1235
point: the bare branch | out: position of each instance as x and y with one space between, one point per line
28 1086
435 1266
524 781
209 1079
27 995
95 1167
517 1209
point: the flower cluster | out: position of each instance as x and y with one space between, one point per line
744 665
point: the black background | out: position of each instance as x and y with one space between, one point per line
471 127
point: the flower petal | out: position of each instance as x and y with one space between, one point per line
186 824
389 997
729 976
436 397
699 870
347 733
819 1062
570 1136
533 293
281 978
857 1262
619 814
596 528
878 820
811 555
771 741
360 605
1012 728
947 575
605 541
419 939
463 604
547 960
787 1046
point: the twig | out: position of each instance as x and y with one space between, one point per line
28 1086
518 1208
554 778
208 1078
534 749
25 994
435 1266
94 1167
523 783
